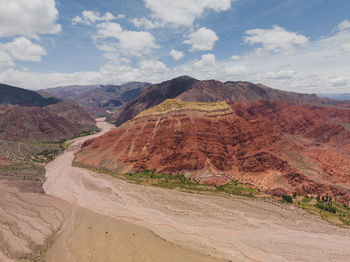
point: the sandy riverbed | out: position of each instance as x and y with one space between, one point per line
233 228
91 237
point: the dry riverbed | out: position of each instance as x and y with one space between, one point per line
87 216
233 228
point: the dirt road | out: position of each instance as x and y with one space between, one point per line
234 228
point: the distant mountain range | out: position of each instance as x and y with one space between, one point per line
99 98
26 116
186 88
336 96
11 95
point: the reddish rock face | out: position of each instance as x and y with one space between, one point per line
276 146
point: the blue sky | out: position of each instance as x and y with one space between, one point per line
296 45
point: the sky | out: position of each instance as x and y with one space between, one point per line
295 45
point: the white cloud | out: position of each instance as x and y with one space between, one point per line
5 59
207 63
106 30
283 74
345 48
176 55
135 43
146 23
89 17
343 25
152 67
22 49
120 16
275 39
184 12
339 81
202 40
28 18
235 71
235 57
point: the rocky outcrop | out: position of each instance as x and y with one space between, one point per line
269 144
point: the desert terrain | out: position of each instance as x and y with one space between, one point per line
228 227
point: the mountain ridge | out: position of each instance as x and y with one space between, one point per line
186 88
99 98
11 95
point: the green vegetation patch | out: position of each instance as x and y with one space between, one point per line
287 198
327 208
87 133
171 181
64 143
46 156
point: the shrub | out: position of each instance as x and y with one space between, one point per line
287 198
327 207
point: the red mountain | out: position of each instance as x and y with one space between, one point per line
275 145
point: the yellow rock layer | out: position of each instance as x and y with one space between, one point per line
175 104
